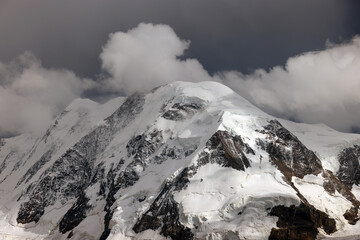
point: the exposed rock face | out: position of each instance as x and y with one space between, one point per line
226 150
164 212
332 184
173 153
75 214
288 153
223 149
184 110
142 146
69 176
36 167
349 172
294 159
6 160
127 178
300 222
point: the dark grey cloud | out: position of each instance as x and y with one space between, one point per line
225 35
248 38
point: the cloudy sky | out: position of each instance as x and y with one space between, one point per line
294 59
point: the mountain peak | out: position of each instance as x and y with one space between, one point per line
185 161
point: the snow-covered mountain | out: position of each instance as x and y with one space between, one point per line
185 161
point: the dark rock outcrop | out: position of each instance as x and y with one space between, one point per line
164 212
300 222
71 174
332 184
349 171
144 145
127 178
74 215
37 166
292 158
227 151
68 178
11 155
182 111
288 153
141 148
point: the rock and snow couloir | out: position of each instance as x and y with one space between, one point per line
185 161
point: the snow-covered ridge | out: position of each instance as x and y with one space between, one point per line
185 161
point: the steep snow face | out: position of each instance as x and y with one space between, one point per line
26 157
79 118
326 142
185 161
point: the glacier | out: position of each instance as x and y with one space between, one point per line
184 161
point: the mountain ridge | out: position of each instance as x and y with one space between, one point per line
186 161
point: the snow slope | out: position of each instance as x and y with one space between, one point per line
185 161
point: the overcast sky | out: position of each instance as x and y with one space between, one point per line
257 47
224 34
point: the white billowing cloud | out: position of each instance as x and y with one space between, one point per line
31 95
314 87
321 86
147 56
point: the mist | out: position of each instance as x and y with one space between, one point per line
31 95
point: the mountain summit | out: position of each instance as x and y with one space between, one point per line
185 161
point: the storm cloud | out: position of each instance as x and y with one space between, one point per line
237 35
315 86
